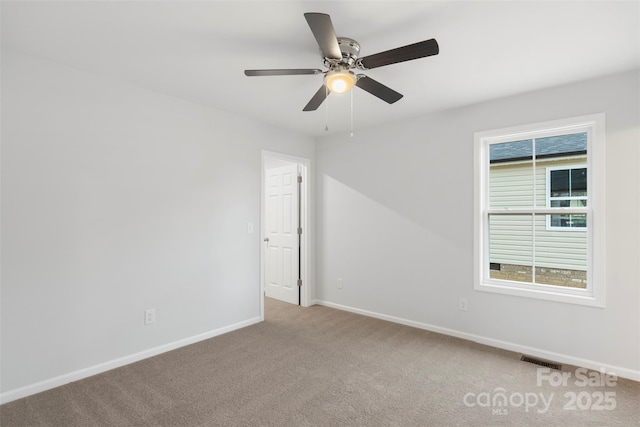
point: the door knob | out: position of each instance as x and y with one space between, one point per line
266 239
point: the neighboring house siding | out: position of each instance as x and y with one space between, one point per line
511 185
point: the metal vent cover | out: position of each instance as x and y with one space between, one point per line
541 362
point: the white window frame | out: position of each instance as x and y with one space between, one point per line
549 198
594 294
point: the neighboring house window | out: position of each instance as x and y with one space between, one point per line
567 188
533 184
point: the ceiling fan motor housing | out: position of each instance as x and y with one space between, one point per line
350 50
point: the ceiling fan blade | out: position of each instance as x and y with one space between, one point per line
405 53
322 29
282 72
317 99
378 89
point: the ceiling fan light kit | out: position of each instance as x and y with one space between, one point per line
340 81
341 56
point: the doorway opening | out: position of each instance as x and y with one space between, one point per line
286 231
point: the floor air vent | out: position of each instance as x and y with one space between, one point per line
541 362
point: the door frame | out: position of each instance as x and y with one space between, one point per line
306 245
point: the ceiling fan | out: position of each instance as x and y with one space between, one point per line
340 57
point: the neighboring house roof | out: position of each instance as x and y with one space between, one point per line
552 146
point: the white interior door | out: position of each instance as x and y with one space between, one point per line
282 254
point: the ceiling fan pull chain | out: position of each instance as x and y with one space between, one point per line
351 134
326 110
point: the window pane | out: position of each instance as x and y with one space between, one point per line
510 247
511 174
568 203
560 220
561 257
560 183
561 145
578 220
511 151
579 182
568 220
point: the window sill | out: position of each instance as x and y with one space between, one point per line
542 292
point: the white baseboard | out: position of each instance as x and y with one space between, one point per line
505 345
58 381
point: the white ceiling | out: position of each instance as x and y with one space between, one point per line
197 50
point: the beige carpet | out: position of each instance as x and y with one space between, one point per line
322 367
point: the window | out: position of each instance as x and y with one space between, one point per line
538 230
566 188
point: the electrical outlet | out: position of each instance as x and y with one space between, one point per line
463 304
340 283
149 316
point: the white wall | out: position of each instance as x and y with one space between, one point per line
116 199
395 221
